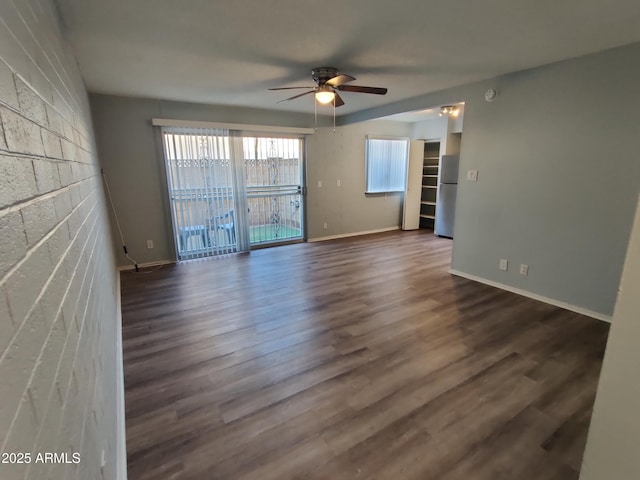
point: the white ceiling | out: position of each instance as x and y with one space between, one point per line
230 52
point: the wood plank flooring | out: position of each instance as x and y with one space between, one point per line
360 358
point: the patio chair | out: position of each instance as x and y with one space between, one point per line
193 231
226 222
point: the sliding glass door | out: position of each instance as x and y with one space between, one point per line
273 178
228 191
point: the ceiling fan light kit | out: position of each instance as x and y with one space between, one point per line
328 82
325 95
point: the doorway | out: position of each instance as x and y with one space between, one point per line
273 178
230 192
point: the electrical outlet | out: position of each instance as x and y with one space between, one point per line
472 175
319 183
149 243
524 269
504 264
325 225
103 459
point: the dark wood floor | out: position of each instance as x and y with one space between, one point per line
351 359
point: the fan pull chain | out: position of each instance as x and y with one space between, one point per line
334 114
315 110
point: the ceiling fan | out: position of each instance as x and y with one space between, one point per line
328 83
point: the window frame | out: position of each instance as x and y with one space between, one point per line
390 188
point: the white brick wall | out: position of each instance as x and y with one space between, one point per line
58 311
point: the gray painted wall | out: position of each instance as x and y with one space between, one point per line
60 371
339 155
132 160
557 155
614 436
431 129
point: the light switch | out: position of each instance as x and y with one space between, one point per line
319 183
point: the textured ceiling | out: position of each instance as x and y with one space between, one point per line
230 52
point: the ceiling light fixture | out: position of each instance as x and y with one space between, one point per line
449 110
325 94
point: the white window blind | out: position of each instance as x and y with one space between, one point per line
386 164
205 186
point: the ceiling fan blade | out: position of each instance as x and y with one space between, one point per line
340 80
356 88
296 96
286 88
337 100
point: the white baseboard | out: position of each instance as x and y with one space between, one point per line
146 265
534 296
354 234
121 432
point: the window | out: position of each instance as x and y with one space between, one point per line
386 161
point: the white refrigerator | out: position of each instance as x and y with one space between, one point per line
447 191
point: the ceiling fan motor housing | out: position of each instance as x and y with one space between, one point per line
320 75
328 80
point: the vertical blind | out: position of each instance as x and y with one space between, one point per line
386 164
204 191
